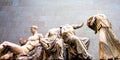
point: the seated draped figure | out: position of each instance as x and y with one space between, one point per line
53 45
16 49
76 47
109 46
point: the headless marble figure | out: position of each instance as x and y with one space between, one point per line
77 48
109 45
53 45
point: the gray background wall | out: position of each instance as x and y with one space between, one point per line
16 17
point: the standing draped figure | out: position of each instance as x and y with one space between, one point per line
109 46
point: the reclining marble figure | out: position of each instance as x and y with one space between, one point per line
30 44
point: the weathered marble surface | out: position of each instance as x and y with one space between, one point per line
18 15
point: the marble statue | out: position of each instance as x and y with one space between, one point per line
77 49
109 45
27 46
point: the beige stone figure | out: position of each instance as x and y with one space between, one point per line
29 45
109 46
77 49
53 45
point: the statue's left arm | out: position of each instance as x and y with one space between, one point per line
76 26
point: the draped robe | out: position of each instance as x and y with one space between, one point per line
109 45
